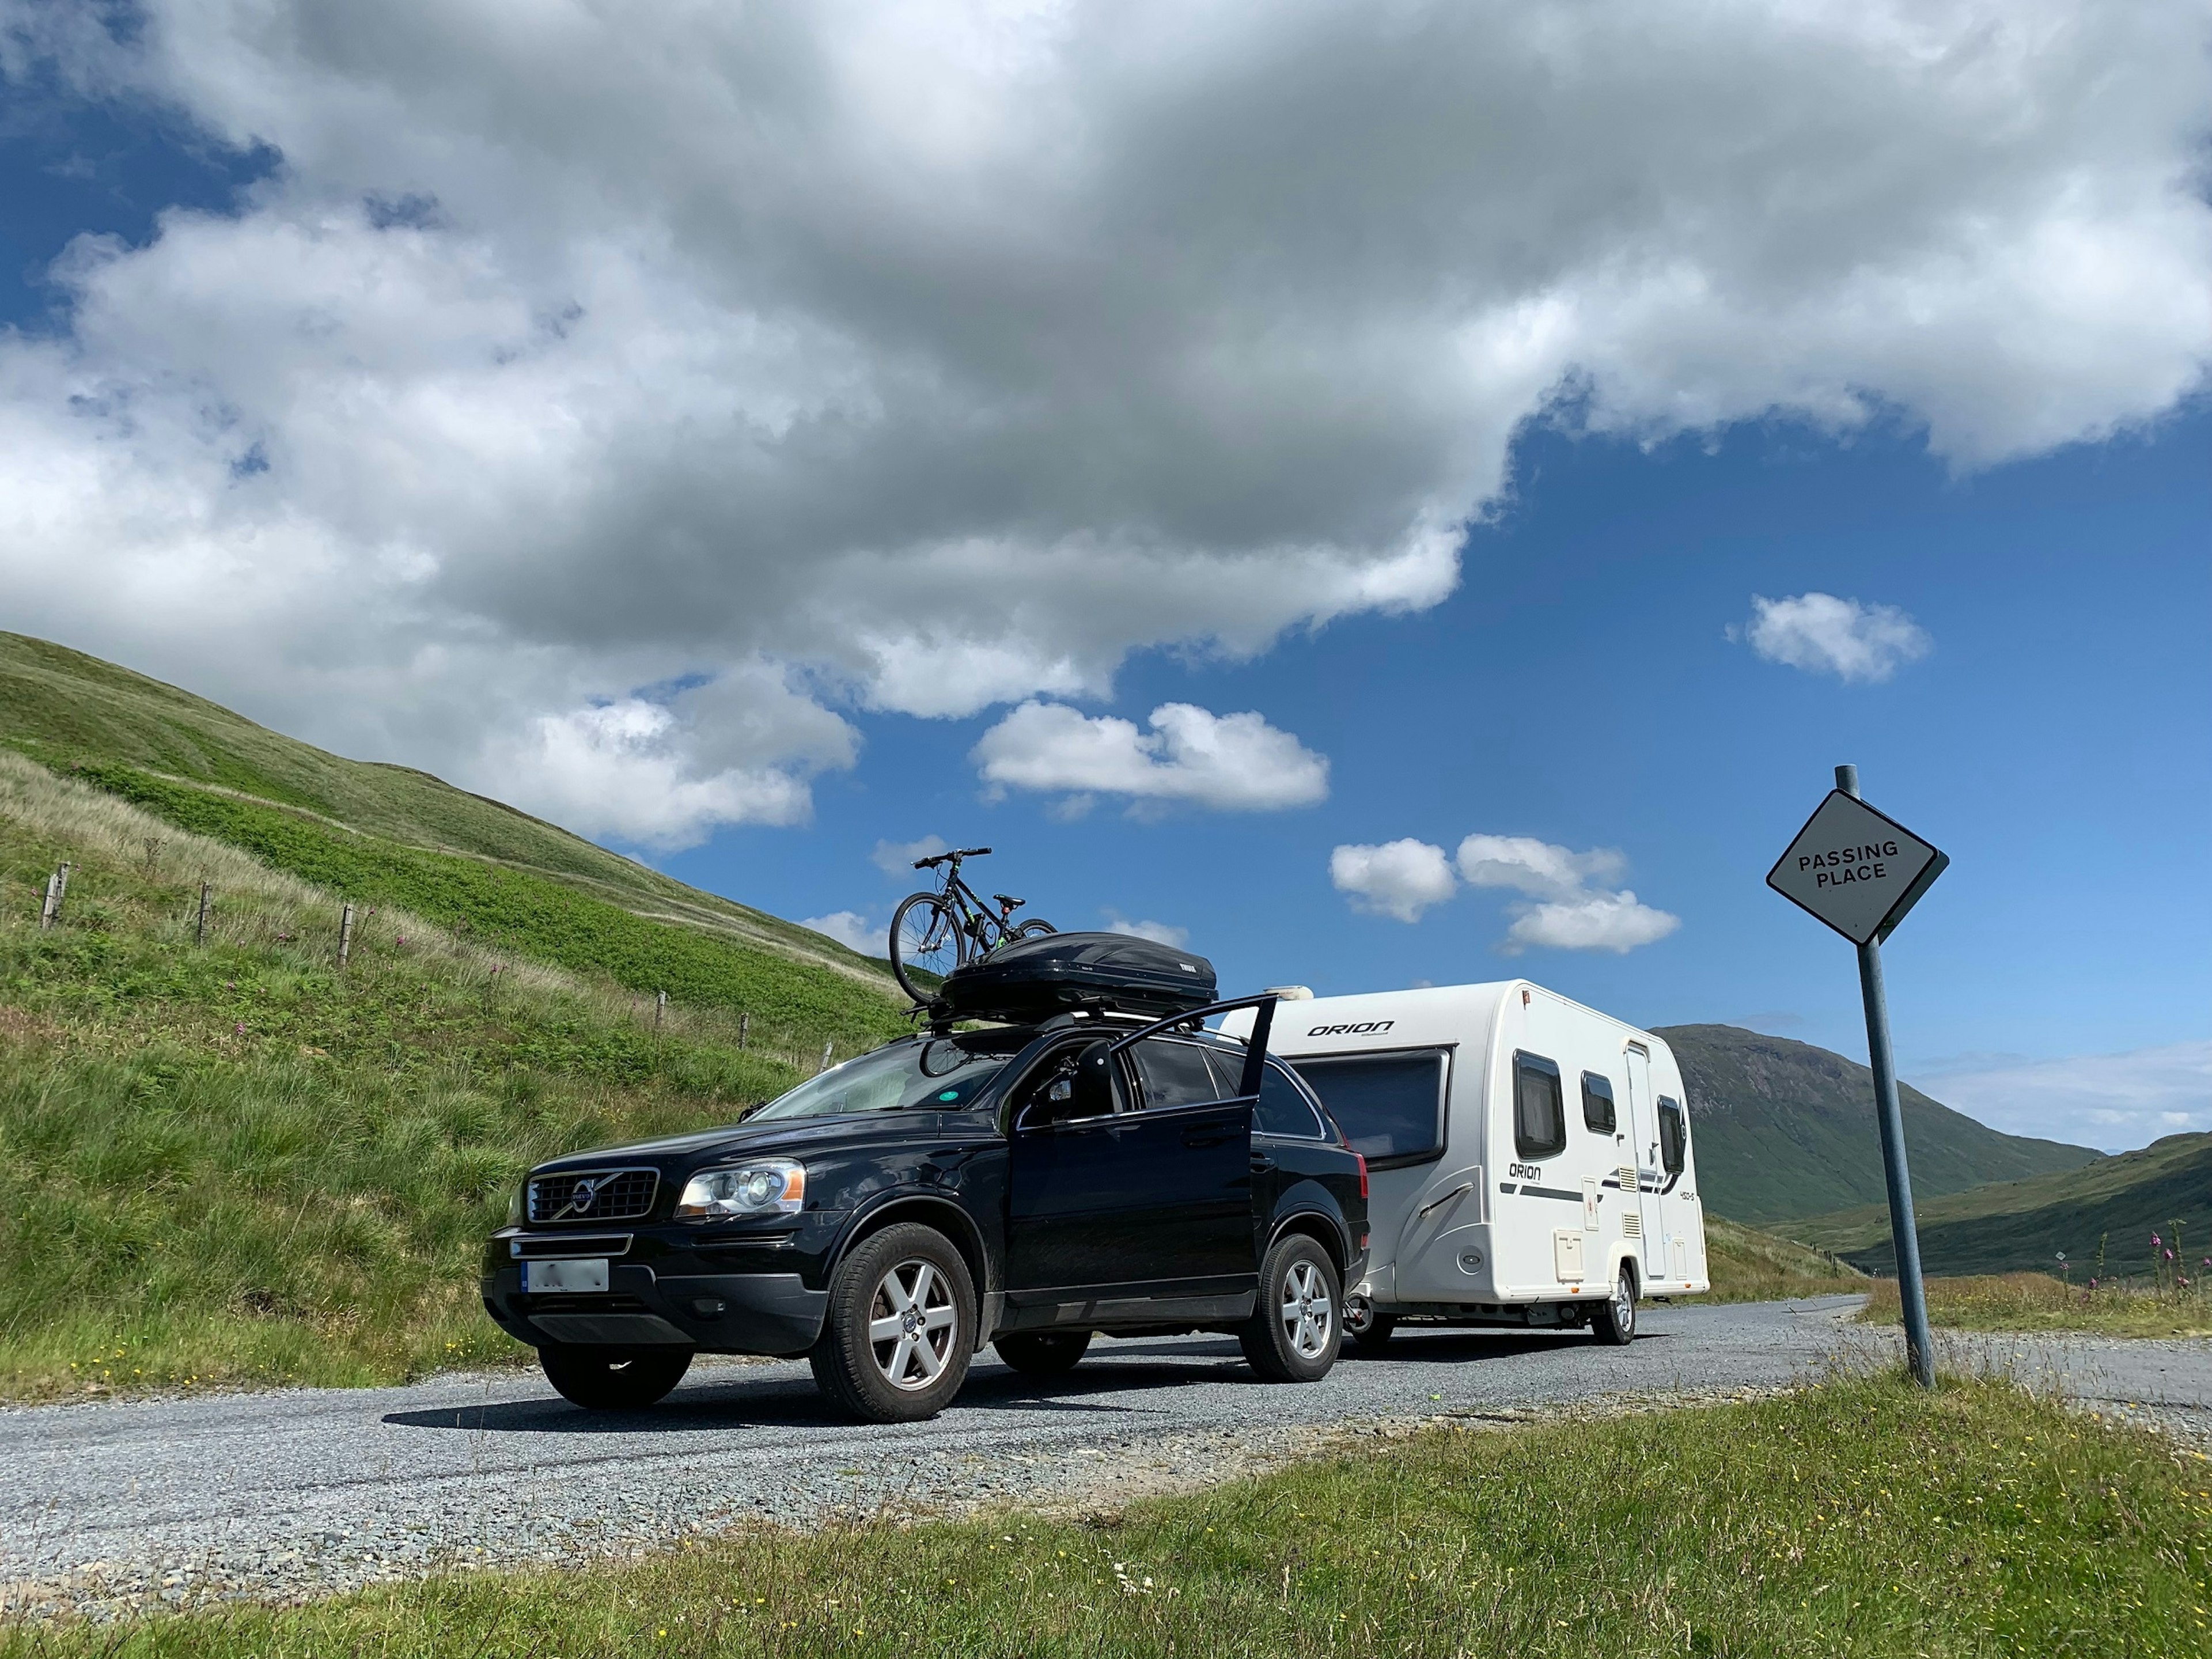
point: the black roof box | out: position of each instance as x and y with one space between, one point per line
1033 979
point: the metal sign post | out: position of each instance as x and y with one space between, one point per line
1860 872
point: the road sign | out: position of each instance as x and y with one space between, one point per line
1860 872
1856 869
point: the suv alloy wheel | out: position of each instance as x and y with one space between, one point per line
1295 1333
612 1379
901 1327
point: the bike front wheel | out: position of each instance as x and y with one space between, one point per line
926 944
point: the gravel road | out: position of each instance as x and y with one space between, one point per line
281 1495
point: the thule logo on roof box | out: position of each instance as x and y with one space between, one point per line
1364 1027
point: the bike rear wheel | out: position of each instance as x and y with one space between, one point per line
926 944
1035 927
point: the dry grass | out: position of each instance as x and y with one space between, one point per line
2036 1301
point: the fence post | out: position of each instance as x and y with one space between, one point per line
199 927
56 885
745 1030
660 1007
827 1048
345 935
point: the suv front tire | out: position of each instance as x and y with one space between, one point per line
901 1327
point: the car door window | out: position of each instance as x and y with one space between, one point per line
1171 1073
1284 1111
1047 1094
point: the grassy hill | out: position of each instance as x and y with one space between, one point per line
2016 1225
1785 1130
184 757
232 1161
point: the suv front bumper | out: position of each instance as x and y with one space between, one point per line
662 1300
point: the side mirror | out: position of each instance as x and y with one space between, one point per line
1094 1080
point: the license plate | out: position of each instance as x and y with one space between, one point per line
541 1277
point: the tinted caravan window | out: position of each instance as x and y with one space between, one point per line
1674 1135
1597 1103
1540 1116
1390 1107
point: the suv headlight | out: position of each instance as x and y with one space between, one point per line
767 1186
514 1205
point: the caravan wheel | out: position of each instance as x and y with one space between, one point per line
1614 1320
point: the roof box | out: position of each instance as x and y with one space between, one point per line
1033 979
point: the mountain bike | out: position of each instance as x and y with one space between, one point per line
934 932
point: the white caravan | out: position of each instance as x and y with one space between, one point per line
1530 1158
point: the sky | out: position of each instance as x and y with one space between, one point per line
1382 496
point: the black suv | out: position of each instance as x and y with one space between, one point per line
1027 1185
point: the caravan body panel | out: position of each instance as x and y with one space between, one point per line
1560 1147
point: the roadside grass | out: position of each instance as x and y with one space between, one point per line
1856 1518
235 1163
1746 1265
2036 1301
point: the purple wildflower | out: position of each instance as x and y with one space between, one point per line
240 1028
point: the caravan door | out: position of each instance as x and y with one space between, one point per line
1642 1151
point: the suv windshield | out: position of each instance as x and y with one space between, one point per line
939 1073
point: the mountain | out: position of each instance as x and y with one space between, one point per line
1785 1130
2115 1203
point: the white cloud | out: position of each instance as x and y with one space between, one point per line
896 858
852 930
2107 1101
1403 879
1232 763
1824 635
1535 867
1400 878
1159 931
952 353
1592 922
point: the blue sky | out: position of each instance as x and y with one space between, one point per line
1579 687
1388 498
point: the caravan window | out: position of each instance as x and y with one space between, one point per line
1597 1103
1674 1135
1390 1107
1540 1115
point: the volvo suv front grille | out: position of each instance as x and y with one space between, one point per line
593 1196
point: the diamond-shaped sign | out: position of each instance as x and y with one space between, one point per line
1855 870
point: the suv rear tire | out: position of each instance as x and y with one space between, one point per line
1613 1321
901 1327
612 1379
1044 1353
1297 1331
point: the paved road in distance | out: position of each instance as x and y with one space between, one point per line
296 1491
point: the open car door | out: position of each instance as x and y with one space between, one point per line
1141 1212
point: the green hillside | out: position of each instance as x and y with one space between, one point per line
1785 1130
68 710
2021 1225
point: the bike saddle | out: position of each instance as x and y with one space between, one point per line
1009 901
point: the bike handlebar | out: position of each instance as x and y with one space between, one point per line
931 862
